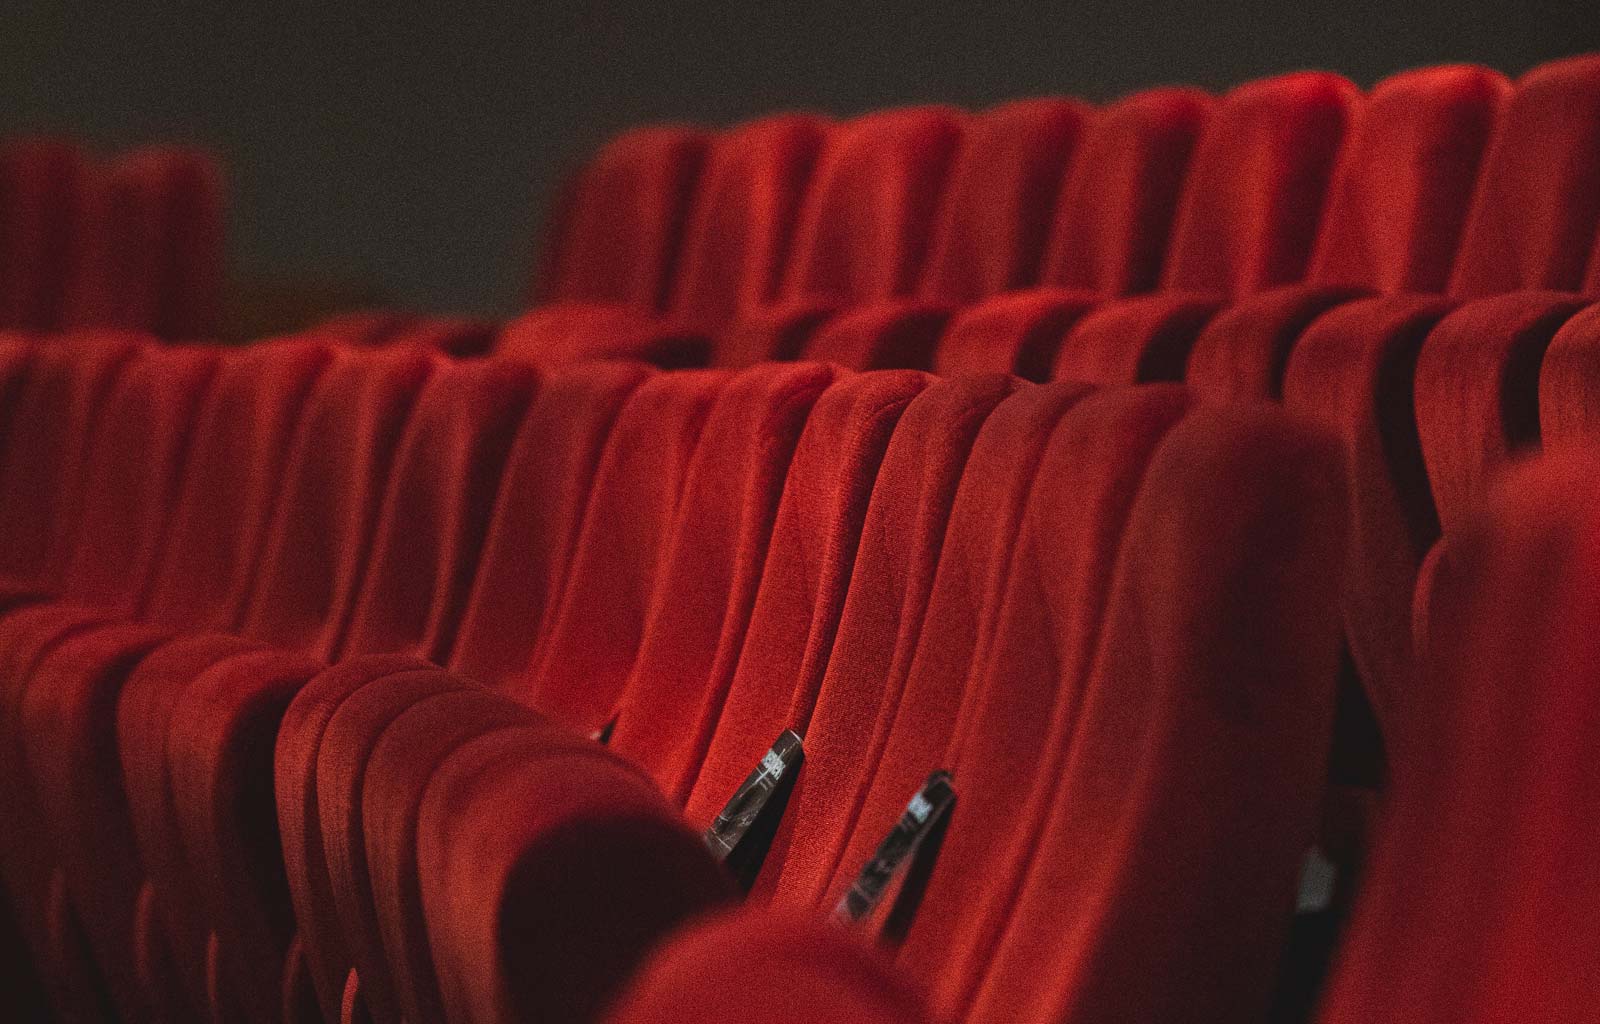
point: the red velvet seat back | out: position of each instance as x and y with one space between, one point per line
1024 692
1533 222
436 508
1478 894
911 735
41 182
15 352
52 427
999 197
1162 883
701 605
1253 199
1404 184
231 483
322 531
618 225
1120 195
592 637
778 969
868 218
803 583
879 627
1396 207
151 254
134 472
742 221
537 515
1109 236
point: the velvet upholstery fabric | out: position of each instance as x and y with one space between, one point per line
700 611
879 626
310 567
150 251
428 535
1022 698
1143 861
1107 238
989 234
548 870
41 192
780 968
350 705
70 701
132 477
1479 859
912 727
619 222
864 229
796 614
1397 205
736 243
1534 218
593 636
1247 220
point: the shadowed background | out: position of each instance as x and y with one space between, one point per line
406 151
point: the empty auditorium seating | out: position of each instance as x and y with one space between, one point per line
132 241
778 968
150 243
1483 876
1247 220
1399 375
40 187
1103 531
735 242
616 228
1107 238
131 480
863 230
988 235
1397 204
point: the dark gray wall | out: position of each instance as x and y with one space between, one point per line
413 145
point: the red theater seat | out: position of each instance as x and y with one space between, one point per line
803 585
41 186
1178 821
532 528
780 969
548 870
735 246
914 722
701 607
864 228
1107 238
619 222
1020 704
1400 196
50 429
151 245
537 517
132 478
307 573
1569 381
989 235
1247 220
383 910
879 626
593 634
1487 351
1483 874
220 738
329 733
69 705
